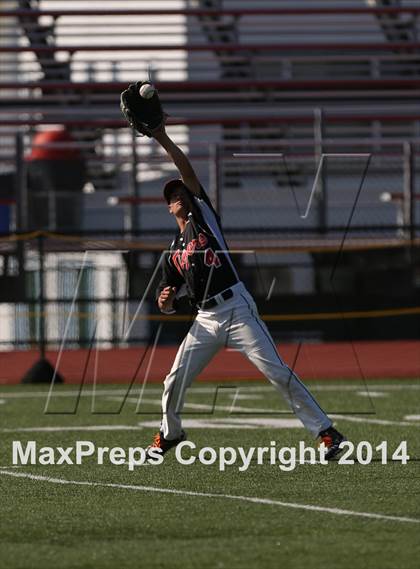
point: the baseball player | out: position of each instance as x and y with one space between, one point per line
199 265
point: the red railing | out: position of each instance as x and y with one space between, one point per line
238 120
248 47
182 86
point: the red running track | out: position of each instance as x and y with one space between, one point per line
395 359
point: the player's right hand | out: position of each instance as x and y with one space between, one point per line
166 298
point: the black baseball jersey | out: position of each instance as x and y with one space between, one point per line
198 257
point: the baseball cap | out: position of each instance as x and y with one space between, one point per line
171 186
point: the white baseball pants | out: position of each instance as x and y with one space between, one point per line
235 324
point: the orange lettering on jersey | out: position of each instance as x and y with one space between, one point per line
176 260
180 258
211 258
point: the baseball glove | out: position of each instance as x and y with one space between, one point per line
143 115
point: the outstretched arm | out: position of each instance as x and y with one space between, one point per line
180 160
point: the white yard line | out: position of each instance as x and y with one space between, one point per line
204 406
245 389
234 424
258 410
402 386
254 500
70 393
353 419
358 387
210 423
372 394
244 422
72 428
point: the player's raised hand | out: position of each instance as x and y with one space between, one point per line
166 298
160 131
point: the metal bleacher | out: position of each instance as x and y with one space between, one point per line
234 76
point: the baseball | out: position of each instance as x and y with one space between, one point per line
147 91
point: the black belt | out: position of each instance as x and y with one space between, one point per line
217 299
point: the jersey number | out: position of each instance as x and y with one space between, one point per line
211 259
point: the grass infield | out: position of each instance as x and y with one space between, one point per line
104 516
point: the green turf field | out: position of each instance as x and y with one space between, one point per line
104 516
